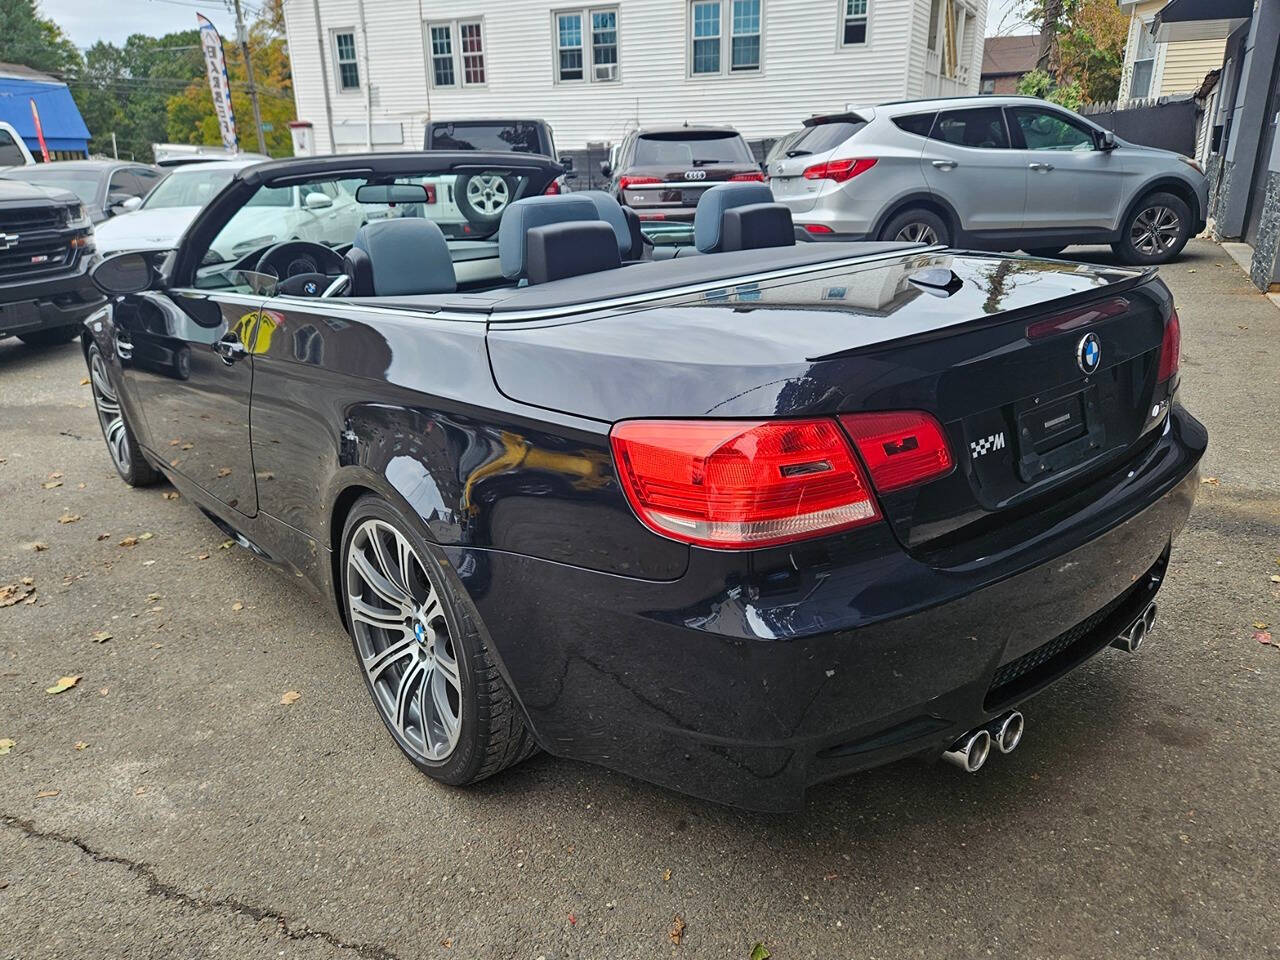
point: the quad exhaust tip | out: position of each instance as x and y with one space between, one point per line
1132 638
1006 731
970 752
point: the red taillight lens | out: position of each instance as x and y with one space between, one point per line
1170 348
625 182
553 189
839 170
738 484
747 177
901 448
816 228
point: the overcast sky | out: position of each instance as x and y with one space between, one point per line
87 21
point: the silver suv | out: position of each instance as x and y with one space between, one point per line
994 172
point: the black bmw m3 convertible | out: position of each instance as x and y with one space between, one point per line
736 517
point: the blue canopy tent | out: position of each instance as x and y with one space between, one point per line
64 130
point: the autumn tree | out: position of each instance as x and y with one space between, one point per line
1081 50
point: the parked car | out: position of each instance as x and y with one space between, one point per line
990 172
327 214
662 173
13 152
179 154
105 187
46 249
482 199
735 523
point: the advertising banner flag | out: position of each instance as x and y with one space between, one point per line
215 63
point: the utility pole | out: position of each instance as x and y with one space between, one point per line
243 36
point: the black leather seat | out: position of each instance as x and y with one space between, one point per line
399 257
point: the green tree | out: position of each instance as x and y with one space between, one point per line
1082 50
31 40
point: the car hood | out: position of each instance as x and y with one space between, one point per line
19 190
144 229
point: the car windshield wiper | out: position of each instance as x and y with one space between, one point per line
799 153
702 163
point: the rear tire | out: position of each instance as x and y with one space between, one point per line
917 225
122 445
1155 232
1047 252
424 658
51 337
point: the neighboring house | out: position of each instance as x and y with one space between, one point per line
368 75
1154 69
65 135
1005 60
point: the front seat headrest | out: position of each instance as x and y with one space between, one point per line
524 215
400 257
756 230
570 249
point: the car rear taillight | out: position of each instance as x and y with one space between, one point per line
626 182
816 228
839 170
1170 347
739 484
900 448
553 189
1077 317
747 177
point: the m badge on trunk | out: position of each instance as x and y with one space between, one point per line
980 448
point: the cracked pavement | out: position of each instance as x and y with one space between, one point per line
206 819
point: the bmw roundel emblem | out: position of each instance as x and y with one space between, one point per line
310 287
1089 353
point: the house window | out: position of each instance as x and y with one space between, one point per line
1144 62
724 32
576 31
344 55
988 86
441 39
457 52
855 22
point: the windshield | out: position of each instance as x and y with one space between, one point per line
691 149
515 136
192 187
83 184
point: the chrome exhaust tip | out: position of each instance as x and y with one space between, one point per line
970 752
1149 617
1006 731
1131 639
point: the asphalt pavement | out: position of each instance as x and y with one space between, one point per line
170 805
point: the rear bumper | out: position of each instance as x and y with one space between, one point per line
747 680
48 302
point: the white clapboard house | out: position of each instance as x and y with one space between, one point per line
371 73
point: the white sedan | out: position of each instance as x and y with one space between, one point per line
324 213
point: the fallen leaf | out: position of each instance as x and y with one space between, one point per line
447 943
171 494
237 606
69 518
174 443
140 791
104 690
676 933
63 685
1212 481
37 545
290 696
1275 578
186 446
226 544
50 484
6 745
101 636
11 593
666 875
129 542
81 745
29 601
47 793
573 920
56 475
103 536
84 381
201 556
759 952
224 471
1259 625
1263 637
145 536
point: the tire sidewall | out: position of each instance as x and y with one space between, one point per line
140 472
471 213
918 215
1176 204
460 766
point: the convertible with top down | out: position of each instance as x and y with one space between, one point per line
735 518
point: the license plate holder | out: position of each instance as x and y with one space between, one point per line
1058 432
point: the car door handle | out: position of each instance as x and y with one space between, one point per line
230 349
1044 167
945 164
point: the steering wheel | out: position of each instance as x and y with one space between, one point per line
303 268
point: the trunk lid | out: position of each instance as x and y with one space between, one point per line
992 347
671 170
822 140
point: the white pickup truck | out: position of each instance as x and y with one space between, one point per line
13 152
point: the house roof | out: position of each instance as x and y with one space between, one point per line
60 119
25 72
1006 56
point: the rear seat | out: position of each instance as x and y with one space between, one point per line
549 238
741 216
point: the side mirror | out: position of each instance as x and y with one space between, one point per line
1107 140
605 170
122 274
567 163
122 203
318 201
